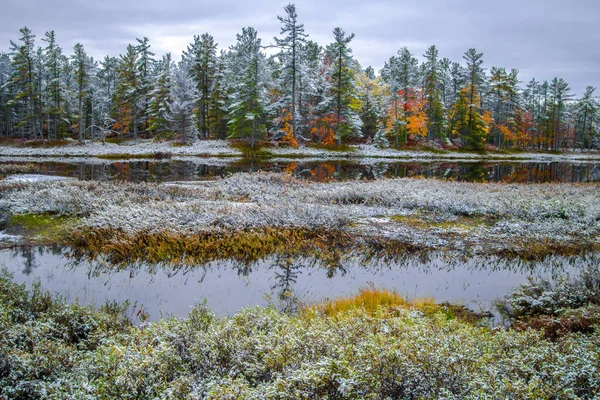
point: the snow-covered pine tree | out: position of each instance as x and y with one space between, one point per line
290 58
436 118
184 95
6 114
160 100
202 58
246 71
587 112
342 94
22 82
81 65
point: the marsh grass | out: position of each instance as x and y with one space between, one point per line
329 247
257 153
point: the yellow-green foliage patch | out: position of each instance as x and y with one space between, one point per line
42 228
424 221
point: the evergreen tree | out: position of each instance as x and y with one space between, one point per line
472 131
559 92
160 99
126 94
342 90
290 59
504 100
184 96
23 83
587 118
370 94
202 57
469 125
143 70
82 76
5 95
248 108
434 107
53 57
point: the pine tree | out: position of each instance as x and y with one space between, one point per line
160 100
126 108
23 82
434 107
247 110
143 70
370 96
473 129
53 66
202 57
107 84
290 58
559 92
81 66
5 95
587 118
504 99
342 94
184 96
469 125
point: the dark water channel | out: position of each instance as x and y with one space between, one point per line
200 169
227 287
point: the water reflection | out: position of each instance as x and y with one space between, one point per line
195 169
228 287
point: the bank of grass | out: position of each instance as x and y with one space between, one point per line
344 148
391 349
259 152
245 246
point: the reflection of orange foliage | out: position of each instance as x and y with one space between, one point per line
287 128
323 129
322 172
291 168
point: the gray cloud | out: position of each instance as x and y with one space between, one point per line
542 39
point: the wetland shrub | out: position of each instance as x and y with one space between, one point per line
52 350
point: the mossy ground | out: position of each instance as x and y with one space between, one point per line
46 229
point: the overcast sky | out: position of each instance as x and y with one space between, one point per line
541 38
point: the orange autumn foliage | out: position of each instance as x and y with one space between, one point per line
123 118
287 129
410 111
323 129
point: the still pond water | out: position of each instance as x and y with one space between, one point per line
476 283
227 287
200 169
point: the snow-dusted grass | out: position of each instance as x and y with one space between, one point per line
134 148
468 217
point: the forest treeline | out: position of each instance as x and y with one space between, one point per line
301 93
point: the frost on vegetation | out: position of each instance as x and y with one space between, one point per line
553 297
247 200
134 148
52 350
